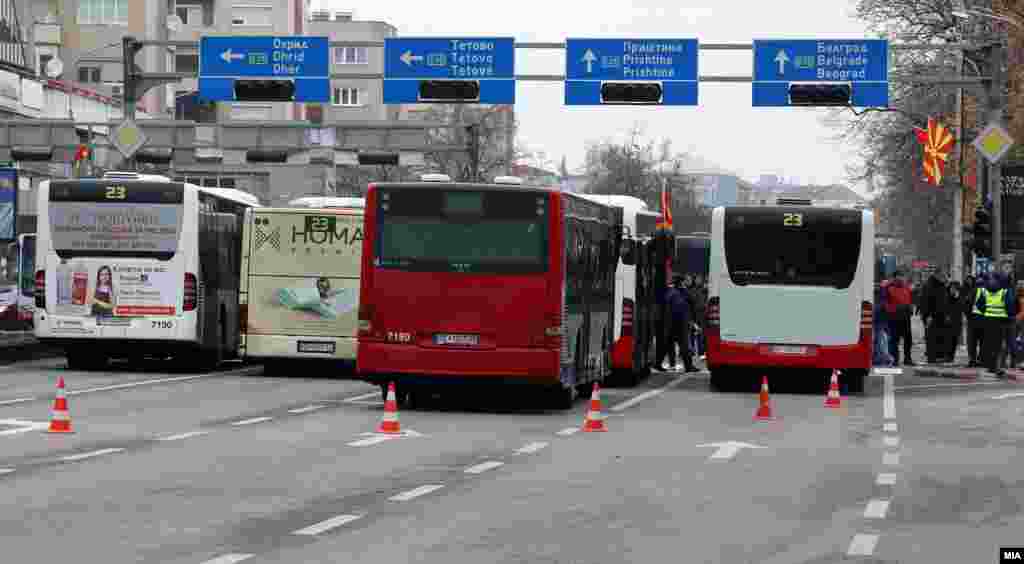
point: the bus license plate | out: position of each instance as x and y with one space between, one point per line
315 347
452 339
789 349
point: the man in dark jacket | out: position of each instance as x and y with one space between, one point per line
975 332
956 321
680 308
935 313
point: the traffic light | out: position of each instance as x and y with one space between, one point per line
982 245
31 154
634 93
275 156
449 91
157 156
265 90
820 94
374 158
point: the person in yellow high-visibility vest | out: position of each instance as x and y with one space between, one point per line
997 306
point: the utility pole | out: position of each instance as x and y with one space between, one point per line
129 48
995 102
473 142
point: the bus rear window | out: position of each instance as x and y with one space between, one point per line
112 219
462 231
800 247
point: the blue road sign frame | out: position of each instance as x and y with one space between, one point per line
304 60
862 63
411 60
671 62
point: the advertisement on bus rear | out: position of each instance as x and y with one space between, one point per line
122 228
304 273
115 290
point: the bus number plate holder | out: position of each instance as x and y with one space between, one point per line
790 349
456 339
316 347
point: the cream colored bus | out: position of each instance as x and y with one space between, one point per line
300 283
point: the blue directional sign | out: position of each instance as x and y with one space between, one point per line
862 63
304 60
410 61
671 62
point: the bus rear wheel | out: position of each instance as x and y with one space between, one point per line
86 360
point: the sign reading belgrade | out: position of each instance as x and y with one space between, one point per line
938 142
862 63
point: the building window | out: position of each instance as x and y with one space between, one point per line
103 12
348 97
190 12
252 15
350 55
89 74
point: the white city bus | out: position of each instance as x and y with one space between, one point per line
132 265
328 202
300 283
791 287
633 336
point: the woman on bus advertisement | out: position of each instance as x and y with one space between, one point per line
103 294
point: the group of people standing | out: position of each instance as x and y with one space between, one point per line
681 313
992 307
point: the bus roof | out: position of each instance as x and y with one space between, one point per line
238 196
629 203
232 194
325 202
465 186
310 210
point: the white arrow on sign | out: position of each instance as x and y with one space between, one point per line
589 57
782 59
1008 396
408 58
727 449
228 56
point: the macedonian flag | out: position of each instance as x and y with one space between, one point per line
938 142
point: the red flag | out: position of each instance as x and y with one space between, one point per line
666 210
938 142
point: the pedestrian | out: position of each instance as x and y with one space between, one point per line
700 302
956 321
660 329
935 312
1018 325
997 307
1007 350
975 323
899 307
681 312
880 323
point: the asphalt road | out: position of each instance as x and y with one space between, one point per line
237 466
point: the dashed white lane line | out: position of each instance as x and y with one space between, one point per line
306 409
876 509
187 435
886 479
484 466
137 384
18 400
531 448
362 397
891 459
889 402
889 427
862 545
891 441
84 455
950 385
229 559
370 441
6 470
323 526
414 493
648 394
251 421
568 431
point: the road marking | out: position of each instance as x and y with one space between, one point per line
307 409
229 559
187 435
370 441
19 400
84 455
136 384
1007 396
413 494
361 397
862 545
950 385
891 459
728 449
251 421
531 448
886 479
649 394
6 470
327 525
876 509
568 431
484 466
891 441
889 427
889 403
23 426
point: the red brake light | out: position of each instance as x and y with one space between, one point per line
627 317
867 315
366 313
713 312
40 290
191 294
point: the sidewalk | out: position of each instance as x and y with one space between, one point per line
956 370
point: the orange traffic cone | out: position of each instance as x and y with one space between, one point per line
61 420
389 424
594 422
832 399
764 411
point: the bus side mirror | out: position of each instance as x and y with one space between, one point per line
628 252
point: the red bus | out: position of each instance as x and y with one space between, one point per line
485 284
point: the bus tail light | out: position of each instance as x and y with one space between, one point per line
191 294
713 313
40 291
552 335
627 317
366 313
866 317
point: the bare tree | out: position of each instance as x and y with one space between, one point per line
493 131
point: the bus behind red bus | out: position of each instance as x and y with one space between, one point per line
485 283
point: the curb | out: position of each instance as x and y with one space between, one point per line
966 374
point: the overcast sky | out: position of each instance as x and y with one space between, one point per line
723 128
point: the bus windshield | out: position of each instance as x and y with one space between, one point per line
484 231
797 247
107 218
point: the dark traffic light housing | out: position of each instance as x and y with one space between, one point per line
282 90
820 94
156 155
449 91
276 156
31 154
632 93
982 245
374 158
